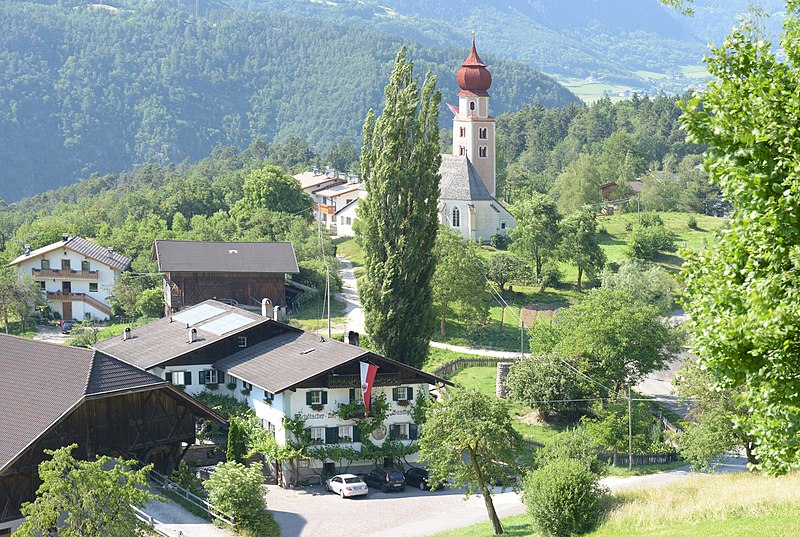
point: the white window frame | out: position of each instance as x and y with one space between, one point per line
455 216
483 152
358 395
345 433
316 397
462 131
317 435
178 375
398 428
246 386
241 341
396 393
96 287
483 133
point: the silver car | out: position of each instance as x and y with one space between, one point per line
346 485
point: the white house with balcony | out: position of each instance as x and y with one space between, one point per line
279 370
75 274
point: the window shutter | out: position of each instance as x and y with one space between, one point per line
187 378
168 376
412 430
356 434
202 377
395 394
308 398
410 393
331 435
324 398
352 394
220 377
392 432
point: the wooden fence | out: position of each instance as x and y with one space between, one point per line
639 459
453 366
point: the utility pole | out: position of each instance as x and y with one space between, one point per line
630 431
521 335
328 291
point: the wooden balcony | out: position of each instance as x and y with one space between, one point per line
354 381
327 209
66 274
79 297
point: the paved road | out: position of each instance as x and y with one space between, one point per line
349 294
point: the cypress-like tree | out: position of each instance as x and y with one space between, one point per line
400 166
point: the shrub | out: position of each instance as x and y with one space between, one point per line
551 275
563 498
574 444
650 219
646 242
237 441
236 491
500 241
186 476
692 222
534 380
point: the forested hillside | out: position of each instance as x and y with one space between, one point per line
571 151
99 89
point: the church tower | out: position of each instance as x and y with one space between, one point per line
473 127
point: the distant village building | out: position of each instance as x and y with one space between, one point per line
279 370
56 395
240 273
467 202
76 276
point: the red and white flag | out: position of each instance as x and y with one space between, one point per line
368 372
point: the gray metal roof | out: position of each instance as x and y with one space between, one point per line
197 256
162 340
43 382
461 181
288 359
85 247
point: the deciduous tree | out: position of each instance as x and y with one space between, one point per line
468 438
399 164
579 244
536 235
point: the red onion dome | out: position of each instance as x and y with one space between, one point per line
473 77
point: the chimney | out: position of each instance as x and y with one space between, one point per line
266 308
126 334
192 335
26 248
277 310
65 237
110 252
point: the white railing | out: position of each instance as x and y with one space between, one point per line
201 503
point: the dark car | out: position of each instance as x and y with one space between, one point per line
387 479
417 477
66 327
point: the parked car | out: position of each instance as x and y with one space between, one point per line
417 477
66 326
346 485
387 479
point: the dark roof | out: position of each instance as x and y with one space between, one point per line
42 382
461 181
85 247
196 256
162 340
290 358
284 360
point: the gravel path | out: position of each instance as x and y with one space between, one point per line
349 294
176 521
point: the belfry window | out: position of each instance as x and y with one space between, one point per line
456 220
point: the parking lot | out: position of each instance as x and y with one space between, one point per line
313 511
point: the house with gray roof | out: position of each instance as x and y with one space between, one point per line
241 273
76 276
56 395
279 370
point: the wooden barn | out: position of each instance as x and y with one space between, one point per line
57 395
239 273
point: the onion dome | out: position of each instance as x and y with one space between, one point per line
473 78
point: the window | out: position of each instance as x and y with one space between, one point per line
246 386
65 264
179 378
456 219
341 220
345 433
317 435
241 341
41 284
349 221
503 224
66 287
462 151
403 431
472 106
482 151
45 264
462 131
316 397
483 133
269 396
324 217
356 395
210 376
85 266
402 393
92 287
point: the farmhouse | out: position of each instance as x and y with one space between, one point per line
75 274
58 395
241 273
279 370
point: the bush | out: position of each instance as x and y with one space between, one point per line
563 498
500 241
650 219
574 444
645 242
692 223
551 275
236 491
534 380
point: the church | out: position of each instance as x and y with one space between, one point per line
467 202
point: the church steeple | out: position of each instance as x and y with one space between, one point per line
473 127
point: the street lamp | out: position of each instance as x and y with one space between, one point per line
637 186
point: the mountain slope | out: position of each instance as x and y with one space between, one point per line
100 89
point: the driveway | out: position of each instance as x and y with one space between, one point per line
50 334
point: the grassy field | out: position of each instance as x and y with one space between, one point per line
731 505
312 315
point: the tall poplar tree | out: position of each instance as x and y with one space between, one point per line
400 167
